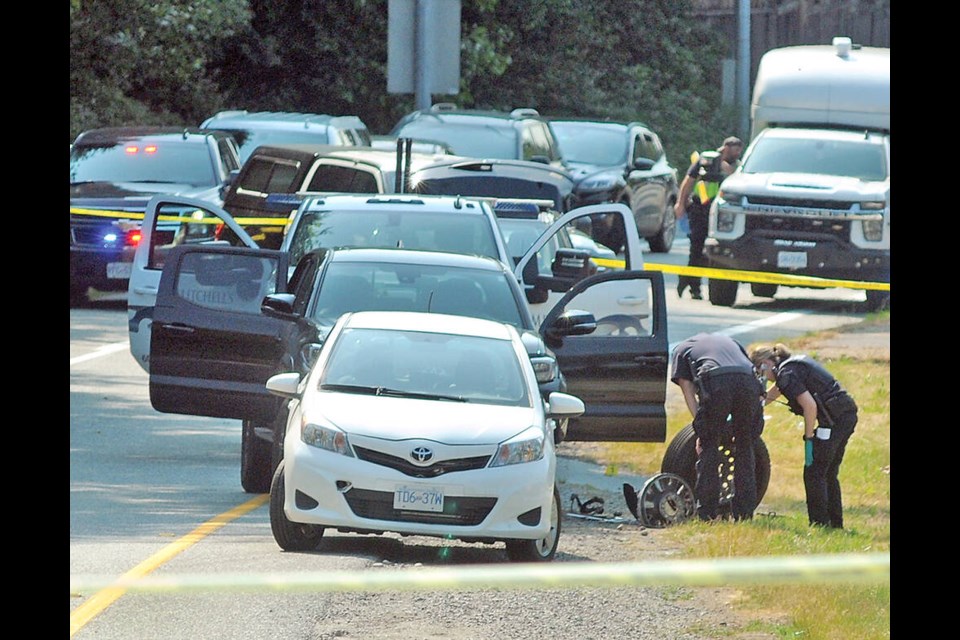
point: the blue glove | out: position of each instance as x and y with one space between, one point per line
807 451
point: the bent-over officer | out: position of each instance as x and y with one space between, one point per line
717 380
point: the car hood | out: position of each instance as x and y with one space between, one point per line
455 423
588 176
128 194
808 184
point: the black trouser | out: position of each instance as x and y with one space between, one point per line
821 479
735 394
698 216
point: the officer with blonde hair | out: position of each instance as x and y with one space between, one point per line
829 418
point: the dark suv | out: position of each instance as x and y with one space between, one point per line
114 172
521 134
252 129
622 162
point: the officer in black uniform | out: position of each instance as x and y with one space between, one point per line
717 379
829 418
697 191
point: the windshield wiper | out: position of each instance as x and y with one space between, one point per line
386 391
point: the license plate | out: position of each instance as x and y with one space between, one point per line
791 259
119 270
418 498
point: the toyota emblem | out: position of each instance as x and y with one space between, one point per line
421 454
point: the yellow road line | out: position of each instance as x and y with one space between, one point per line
111 592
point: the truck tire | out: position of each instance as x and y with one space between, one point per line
878 300
680 459
722 293
763 289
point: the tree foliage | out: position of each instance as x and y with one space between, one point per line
178 61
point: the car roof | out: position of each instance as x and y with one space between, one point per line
384 158
430 323
417 256
107 135
399 201
281 119
588 122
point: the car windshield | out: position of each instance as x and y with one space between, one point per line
249 139
471 140
435 231
395 362
165 161
864 160
586 144
381 286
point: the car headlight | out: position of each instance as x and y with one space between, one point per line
725 219
525 447
325 437
873 230
545 367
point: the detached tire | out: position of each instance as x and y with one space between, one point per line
722 293
680 458
543 549
291 536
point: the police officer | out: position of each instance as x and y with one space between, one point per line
829 417
699 187
717 380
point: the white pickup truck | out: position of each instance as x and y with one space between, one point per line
812 194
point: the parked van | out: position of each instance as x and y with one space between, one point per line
812 193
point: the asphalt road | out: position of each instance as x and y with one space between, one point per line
159 494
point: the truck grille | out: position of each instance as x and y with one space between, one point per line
459 511
408 468
788 225
841 205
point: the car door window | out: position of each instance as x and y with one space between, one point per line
226 281
178 224
228 157
268 175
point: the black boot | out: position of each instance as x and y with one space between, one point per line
680 288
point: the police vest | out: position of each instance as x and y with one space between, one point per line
818 381
709 176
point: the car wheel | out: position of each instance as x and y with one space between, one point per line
544 548
662 242
619 325
763 289
722 293
255 460
680 459
291 536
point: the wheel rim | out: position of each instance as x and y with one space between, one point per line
665 499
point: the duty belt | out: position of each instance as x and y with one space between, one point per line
721 371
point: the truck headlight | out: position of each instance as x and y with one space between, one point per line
725 219
873 229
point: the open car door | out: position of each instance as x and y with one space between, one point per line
168 222
211 347
620 369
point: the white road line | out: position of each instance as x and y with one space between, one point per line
102 351
779 318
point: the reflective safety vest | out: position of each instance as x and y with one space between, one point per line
710 176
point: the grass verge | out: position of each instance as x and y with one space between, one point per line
814 611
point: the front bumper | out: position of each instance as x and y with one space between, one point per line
819 258
335 491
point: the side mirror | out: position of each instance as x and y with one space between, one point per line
571 323
278 305
643 164
285 385
540 159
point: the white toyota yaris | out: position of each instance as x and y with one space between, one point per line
423 424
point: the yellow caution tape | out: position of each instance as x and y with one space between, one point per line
717 274
798 569
751 276
282 221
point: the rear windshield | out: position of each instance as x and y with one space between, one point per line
135 161
864 160
454 232
474 141
249 139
